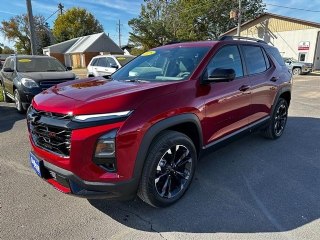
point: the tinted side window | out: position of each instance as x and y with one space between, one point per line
102 62
227 57
254 59
111 61
275 53
94 62
9 63
266 59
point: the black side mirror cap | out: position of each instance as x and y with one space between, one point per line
8 70
114 66
221 75
69 68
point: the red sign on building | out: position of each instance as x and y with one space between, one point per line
304 46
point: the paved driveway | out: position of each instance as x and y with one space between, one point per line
251 189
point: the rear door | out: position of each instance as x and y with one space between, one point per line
9 76
262 80
227 104
101 66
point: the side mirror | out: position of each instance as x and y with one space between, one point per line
114 66
221 75
8 70
69 68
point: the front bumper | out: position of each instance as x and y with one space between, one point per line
306 69
67 182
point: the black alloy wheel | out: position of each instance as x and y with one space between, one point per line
168 169
173 171
278 120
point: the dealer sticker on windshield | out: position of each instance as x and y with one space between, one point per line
24 60
148 53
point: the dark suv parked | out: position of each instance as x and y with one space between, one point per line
22 77
142 131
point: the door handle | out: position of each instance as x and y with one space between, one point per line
274 79
244 88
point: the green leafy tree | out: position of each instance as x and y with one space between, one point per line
17 29
151 28
162 21
75 22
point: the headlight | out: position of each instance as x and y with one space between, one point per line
100 117
105 152
28 83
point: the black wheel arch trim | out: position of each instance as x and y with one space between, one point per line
158 127
279 93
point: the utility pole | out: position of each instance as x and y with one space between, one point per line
119 31
32 30
60 6
239 19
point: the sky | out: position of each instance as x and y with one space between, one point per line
108 12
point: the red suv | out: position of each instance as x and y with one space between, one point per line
142 131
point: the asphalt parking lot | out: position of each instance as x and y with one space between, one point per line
251 189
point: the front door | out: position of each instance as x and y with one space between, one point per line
9 76
227 104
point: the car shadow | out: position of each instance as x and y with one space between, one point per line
8 116
251 185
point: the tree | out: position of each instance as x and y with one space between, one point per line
17 29
6 50
151 28
162 21
75 22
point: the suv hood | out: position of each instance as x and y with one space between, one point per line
39 76
99 95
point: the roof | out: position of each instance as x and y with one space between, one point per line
266 14
61 47
98 42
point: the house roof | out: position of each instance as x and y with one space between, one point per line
61 47
266 14
98 42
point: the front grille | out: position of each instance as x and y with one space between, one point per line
55 139
45 84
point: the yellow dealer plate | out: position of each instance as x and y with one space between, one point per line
24 60
148 53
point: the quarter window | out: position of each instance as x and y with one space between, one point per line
254 59
227 58
94 62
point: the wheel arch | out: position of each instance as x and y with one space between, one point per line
188 124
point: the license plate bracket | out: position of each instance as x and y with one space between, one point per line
36 164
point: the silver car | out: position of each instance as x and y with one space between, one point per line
296 67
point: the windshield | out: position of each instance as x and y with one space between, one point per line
39 65
123 60
167 64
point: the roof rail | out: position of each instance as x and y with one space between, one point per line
224 38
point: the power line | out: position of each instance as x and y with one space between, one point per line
52 15
300 9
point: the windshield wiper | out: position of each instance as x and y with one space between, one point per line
136 80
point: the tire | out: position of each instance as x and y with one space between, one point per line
168 170
278 120
18 103
296 71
